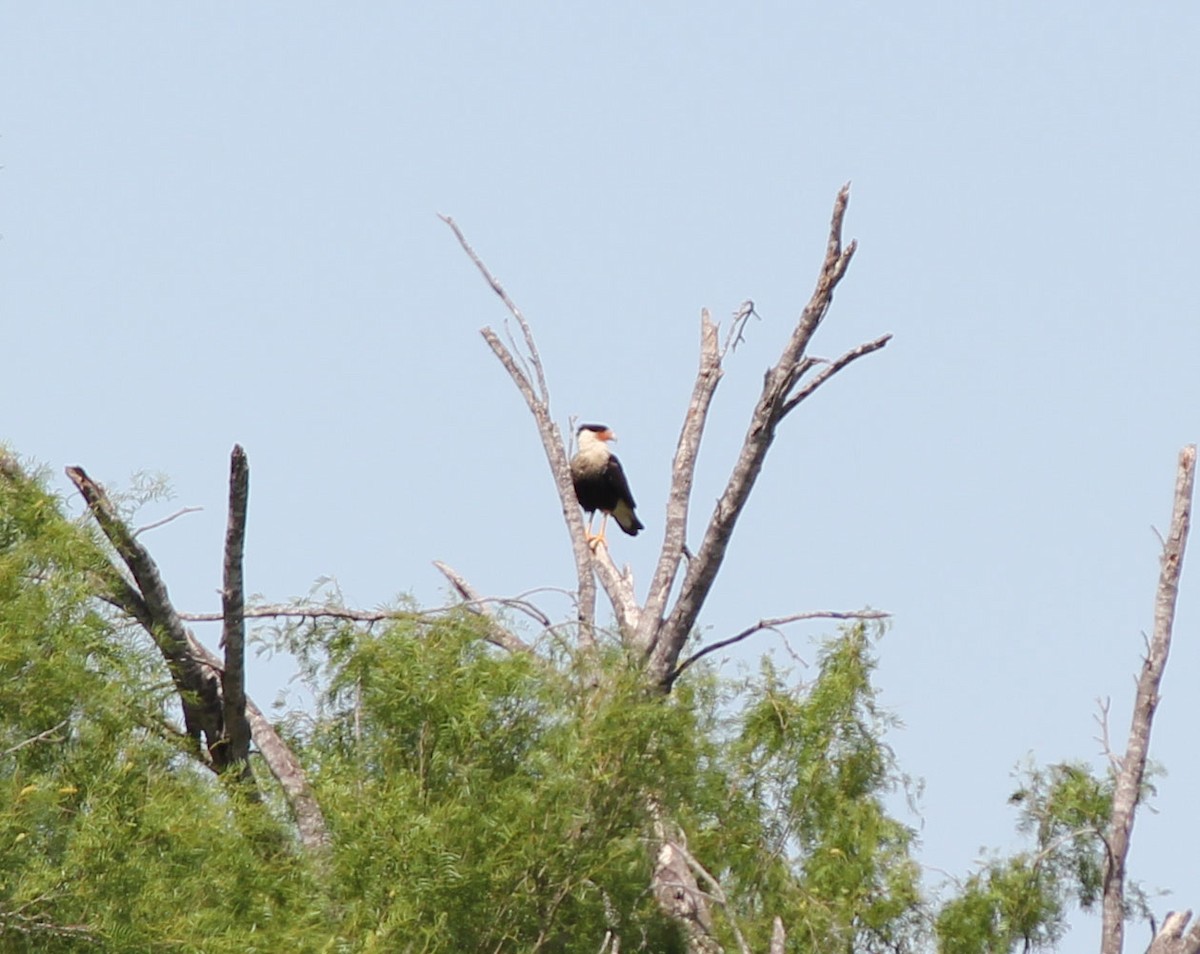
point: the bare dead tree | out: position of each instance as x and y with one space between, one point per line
659 632
653 628
211 692
1171 937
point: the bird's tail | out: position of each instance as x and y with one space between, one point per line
627 519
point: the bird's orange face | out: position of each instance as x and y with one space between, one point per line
606 435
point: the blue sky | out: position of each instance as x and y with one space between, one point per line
218 224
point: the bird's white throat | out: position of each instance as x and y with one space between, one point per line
593 452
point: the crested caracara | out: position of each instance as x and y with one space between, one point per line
600 482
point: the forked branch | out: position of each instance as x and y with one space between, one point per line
537 399
196 672
783 389
774 624
497 633
1175 937
657 632
1132 770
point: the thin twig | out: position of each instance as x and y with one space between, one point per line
737 327
46 736
289 611
775 623
165 520
833 367
511 305
1102 721
325 611
497 633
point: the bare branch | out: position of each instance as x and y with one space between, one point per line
497 634
1105 746
538 401
717 893
680 897
552 445
199 693
775 623
1171 939
286 610
618 586
46 736
683 471
778 384
165 520
533 356
737 327
319 611
282 763
233 679
1133 764
832 368
778 937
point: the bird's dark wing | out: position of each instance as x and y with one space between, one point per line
615 474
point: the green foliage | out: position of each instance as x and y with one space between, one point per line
804 827
479 803
1022 901
478 800
488 801
111 839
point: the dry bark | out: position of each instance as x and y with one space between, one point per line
233 604
1174 937
1132 765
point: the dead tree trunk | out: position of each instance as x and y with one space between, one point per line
1171 939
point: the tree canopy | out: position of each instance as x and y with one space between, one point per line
476 798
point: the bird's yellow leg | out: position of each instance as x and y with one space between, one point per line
598 539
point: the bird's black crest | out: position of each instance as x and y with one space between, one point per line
597 428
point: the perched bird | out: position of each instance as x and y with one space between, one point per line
600 482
